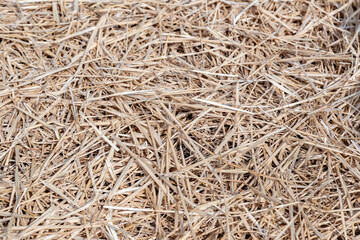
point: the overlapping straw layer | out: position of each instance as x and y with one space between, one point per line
209 119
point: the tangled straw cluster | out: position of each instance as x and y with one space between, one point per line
209 119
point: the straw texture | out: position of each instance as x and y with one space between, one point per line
199 119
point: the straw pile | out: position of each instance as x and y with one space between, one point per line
215 119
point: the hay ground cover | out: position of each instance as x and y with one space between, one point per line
196 119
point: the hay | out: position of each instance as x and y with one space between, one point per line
217 119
